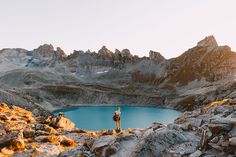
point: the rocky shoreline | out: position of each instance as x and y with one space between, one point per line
106 105
209 131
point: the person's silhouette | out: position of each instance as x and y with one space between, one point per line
116 118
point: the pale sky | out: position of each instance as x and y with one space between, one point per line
167 26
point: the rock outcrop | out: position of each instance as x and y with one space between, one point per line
156 56
208 41
209 131
45 55
202 62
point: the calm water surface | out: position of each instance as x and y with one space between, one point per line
100 117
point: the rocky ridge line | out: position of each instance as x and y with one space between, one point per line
54 80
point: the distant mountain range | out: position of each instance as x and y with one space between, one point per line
53 79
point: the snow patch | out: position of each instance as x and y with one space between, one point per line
101 72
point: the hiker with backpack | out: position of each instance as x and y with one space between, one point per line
116 118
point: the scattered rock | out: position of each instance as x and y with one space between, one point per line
77 151
198 153
13 140
215 139
111 132
46 128
219 128
215 146
29 133
101 142
64 123
7 151
232 141
67 142
213 131
17 143
232 133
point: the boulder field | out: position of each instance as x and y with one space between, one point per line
209 131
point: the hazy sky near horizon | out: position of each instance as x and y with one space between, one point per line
167 26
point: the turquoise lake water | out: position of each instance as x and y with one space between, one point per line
100 117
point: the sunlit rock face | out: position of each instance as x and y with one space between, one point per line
206 61
208 41
211 62
210 130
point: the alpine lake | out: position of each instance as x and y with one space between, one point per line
100 117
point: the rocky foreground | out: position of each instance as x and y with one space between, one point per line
210 131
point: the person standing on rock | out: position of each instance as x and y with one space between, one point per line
116 118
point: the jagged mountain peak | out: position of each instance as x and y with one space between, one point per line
208 41
117 51
47 50
61 52
207 60
46 47
106 52
156 56
103 49
126 53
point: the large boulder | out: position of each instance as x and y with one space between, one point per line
75 152
13 141
232 141
62 122
101 143
158 142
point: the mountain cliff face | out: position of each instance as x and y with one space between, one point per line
51 78
206 60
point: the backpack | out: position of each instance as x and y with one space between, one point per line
116 117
